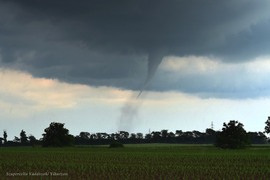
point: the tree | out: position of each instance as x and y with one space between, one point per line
132 136
23 137
267 127
178 133
257 137
123 134
156 135
105 136
164 133
16 139
1 141
5 137
210 132
197 134
57 136
139 135
32 140
171 135
233 136
93 136
148 136
210 136
85 135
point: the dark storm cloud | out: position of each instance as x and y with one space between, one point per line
180 26
102 42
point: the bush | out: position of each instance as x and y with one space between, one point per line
116 145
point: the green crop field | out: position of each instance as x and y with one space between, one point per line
135 162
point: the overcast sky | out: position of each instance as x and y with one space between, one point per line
83 63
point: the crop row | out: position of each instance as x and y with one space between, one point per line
139 163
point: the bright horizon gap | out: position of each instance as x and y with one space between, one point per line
87 105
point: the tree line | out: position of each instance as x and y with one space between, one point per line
232 135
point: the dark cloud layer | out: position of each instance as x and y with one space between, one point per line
100 42
180 26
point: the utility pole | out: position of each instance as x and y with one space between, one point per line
212 125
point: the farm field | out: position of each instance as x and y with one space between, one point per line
149 161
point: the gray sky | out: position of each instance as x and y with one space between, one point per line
214 52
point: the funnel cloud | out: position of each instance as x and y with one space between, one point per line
107 43
154 59
129 114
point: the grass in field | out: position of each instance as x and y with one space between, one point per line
148 161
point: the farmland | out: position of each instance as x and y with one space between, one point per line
152 161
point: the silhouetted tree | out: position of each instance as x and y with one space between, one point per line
156 136
233 136
99 135
116 136
210 132
171 135
16 139
178 133
23 137
1 141
164 133
267 127
139 135
187 137
105 136
123 134
85 135
257 137
5 136
132 136
163 136
197 134
148 136
83 138
32 140
56 135
210 136
93 136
